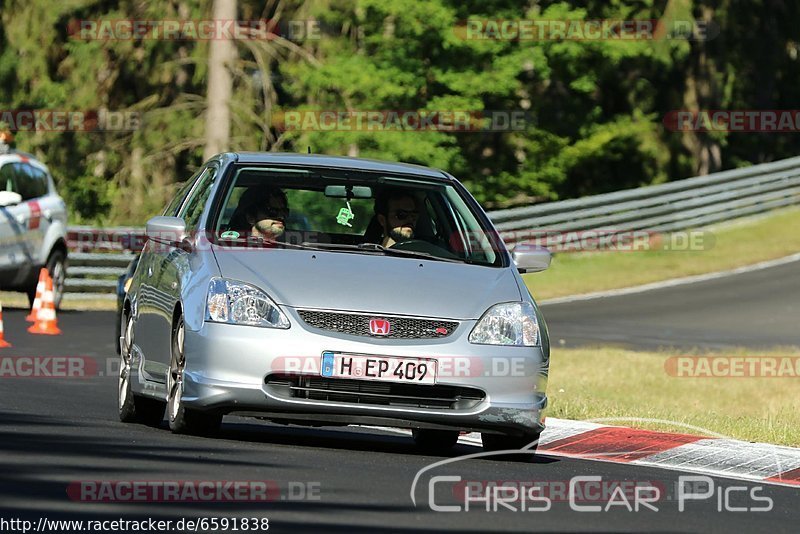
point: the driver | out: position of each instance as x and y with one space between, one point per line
265 210
397 213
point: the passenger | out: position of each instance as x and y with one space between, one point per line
397 214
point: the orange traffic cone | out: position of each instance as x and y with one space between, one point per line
37 302
46 322
3 342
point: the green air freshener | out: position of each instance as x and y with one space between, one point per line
345 216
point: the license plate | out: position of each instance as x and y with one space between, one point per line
382 368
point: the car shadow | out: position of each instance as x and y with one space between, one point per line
347 438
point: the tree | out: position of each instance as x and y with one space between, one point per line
593 108
221 57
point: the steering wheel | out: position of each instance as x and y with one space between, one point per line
420 245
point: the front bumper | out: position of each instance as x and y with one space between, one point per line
228 368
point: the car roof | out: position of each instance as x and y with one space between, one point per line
17 156
335 162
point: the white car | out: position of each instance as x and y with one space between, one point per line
33 226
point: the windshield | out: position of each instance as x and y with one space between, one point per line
355 212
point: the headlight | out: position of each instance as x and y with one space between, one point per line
511 323
235 302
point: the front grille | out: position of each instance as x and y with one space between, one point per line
374 393
357 324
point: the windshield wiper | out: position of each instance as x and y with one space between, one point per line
411 253
361 247
374 247
258 240
329 246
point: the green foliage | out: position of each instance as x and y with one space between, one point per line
593 108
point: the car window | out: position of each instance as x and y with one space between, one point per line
29 181
466 237
312 210
193 208
318 210
41 179
176 202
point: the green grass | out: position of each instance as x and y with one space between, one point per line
728 246
603 383
11 300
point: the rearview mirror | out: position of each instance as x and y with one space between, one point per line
168 230
531 258
9 198
340 191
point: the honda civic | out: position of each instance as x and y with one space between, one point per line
319 290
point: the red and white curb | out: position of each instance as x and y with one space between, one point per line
722 457
683 452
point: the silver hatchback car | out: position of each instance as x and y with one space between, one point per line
318 290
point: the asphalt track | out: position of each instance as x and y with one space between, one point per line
58 432
758 309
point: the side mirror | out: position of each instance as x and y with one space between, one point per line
169 231
9 198
531 258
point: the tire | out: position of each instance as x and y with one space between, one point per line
501 442
57 267
435 441
134 408
183 420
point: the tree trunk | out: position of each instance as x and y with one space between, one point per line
221 54
702 94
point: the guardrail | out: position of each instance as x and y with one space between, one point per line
98 256
679 205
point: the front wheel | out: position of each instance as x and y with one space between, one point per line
183 420
57 267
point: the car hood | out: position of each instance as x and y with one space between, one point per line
370 282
